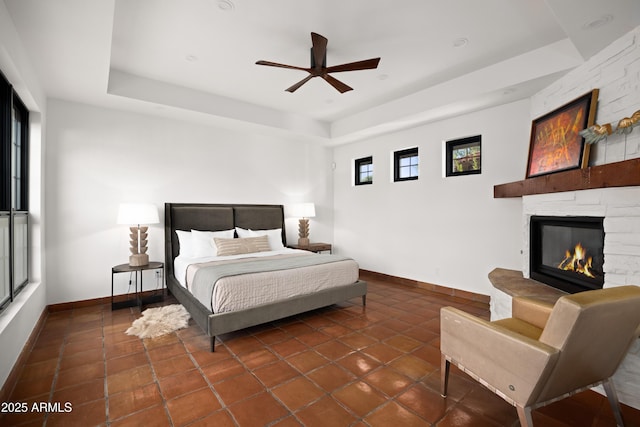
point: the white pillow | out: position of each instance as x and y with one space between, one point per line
243 232
274 235
186 245
203 244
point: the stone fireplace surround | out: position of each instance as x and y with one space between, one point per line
620 207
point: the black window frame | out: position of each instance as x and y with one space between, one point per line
5 143
452 145
397 158
22 191
14 191
364 161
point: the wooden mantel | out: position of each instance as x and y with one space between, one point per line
620 174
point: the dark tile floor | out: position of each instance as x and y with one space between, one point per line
339 366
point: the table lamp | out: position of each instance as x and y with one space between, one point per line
304 211
138 213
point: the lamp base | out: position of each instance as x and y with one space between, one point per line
137 260
303 241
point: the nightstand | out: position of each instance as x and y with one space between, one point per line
313 247
137 298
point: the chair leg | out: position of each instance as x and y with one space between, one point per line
610 390
524 415
445 366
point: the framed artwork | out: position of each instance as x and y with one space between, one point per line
556 144
463 156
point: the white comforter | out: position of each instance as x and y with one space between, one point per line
248 290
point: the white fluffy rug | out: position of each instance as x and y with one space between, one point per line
159 321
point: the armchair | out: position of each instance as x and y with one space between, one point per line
544 353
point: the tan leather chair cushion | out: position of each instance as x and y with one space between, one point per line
520 327
533 311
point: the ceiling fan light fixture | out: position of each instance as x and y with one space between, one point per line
319 67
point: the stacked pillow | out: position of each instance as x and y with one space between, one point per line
201 244
274 235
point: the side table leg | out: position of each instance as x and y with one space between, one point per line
139 294
111 289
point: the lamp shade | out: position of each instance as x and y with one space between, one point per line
303 210
138 213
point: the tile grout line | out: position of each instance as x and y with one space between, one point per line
305 375
156 381
104 359
198 367
58 366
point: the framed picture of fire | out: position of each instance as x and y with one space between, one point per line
556 144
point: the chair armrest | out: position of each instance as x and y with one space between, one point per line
508 362
531 310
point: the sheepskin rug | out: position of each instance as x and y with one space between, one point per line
159 321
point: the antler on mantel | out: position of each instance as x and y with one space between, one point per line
596 133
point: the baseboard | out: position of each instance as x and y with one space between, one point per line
443 290
95 301
14 375
52 308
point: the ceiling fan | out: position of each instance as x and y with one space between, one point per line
319 67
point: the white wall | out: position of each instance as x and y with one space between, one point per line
18 320
98 158
615 71
445 231
450 231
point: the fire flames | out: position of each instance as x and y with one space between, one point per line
577 262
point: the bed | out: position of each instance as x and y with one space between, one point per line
184 217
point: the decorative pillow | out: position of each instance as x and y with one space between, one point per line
241 245
203 243
275 236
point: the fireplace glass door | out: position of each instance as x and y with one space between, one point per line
567 252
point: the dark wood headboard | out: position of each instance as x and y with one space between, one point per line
215 217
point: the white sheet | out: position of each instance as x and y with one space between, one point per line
181 263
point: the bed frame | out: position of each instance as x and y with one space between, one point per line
216 217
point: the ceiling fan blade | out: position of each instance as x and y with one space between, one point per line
319 48
367 64
340 87
275 64
300 83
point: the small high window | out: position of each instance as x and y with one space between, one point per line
364 171
405 164
463 156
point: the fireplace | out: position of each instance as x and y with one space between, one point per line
567 252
